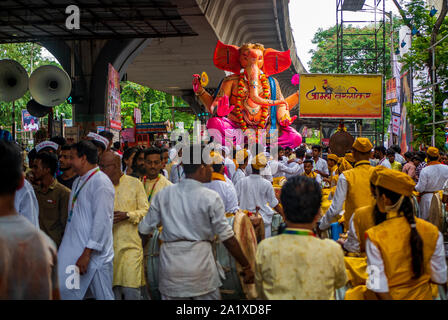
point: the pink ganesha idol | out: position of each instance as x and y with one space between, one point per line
249 98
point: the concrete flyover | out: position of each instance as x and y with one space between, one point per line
168 64
159 44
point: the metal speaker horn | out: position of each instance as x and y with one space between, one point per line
50 85
37 110
13 80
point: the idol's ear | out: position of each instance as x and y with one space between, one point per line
275 61
227 57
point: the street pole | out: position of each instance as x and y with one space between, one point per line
433 97
13 120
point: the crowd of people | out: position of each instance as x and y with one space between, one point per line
78 219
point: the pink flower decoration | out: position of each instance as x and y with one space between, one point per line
295 79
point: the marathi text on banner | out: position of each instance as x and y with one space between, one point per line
340 96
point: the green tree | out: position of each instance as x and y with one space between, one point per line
356 44
154 105
427 31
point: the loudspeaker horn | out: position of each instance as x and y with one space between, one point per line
37 110
13 80
50 85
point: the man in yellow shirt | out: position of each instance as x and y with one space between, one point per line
296 265
130 206
353 186
154 181
308 171
394 165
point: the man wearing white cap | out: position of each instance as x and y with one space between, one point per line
47 146
100 142
254 191
225 189
86 252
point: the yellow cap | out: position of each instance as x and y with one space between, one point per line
260 161
333 157
432 152
216 158
362 145
349 157
241 155
393 180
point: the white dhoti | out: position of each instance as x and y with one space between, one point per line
187 269
425 205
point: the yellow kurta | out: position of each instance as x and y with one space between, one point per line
296 267
160 184
312 175
392 239
130 197
358 189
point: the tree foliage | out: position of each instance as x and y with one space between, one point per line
154 105
357 46
416 15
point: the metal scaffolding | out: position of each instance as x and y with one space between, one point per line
376 54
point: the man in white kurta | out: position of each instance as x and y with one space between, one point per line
223 186
89 226
255 191
177 173
280 169
191 215
25 203
432 178
320 166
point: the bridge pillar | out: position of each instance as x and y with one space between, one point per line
89 70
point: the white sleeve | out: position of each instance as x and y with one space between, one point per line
286 169
445 188
421 185
336 204
26 204
103 208
152 218
272 199
377 280
232 199
386 164
352 243
438 262
319 179
324 167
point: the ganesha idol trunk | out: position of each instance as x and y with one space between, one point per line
250 98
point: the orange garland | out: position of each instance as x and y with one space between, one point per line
239 102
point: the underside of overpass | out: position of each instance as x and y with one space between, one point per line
160 44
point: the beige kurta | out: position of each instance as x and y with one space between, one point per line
297 267
130 197
161 183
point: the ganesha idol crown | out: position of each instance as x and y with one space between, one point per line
227 58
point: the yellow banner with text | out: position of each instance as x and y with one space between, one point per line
342 96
